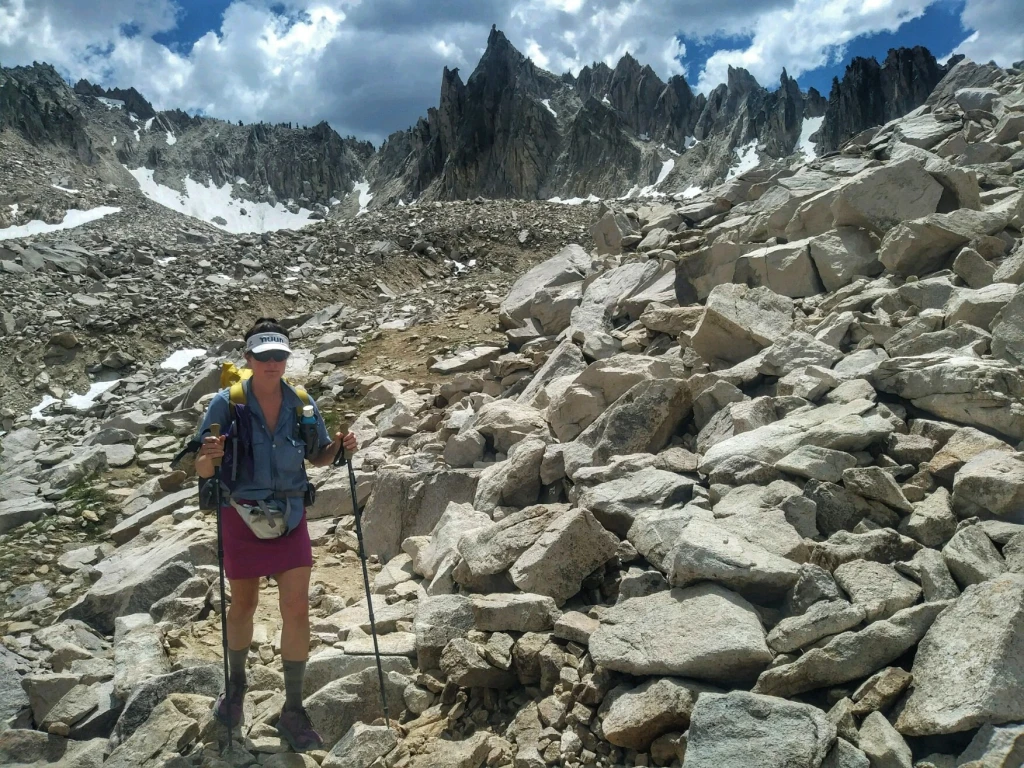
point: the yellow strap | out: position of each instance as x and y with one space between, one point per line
237 393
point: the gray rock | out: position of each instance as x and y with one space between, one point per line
439 620
336 707
880 198
812 462
968 671
879 546
360 746
130 526
487 550
877 587
463 663
742 729
978 307
739 322
633 717
45 689
851 655
456 521
990 483
705 632
409 503
514 482
1008 329
142 571
880 691
204 680
840 426
165 734
995 746
473 359
845 755
929 569
641 421
828 617
138 652
615 503
932 523
884 747
514 613
844 254
923 245
18 511
875 483
972 557
572 546
567 266
706 552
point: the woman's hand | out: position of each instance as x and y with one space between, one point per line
347 439
212 448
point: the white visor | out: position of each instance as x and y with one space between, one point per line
265 342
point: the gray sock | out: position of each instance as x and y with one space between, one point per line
294 672
236 666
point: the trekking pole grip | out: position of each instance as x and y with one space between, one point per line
215 432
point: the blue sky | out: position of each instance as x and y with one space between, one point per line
371 67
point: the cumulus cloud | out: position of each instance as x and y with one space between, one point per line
374 66
997 31
806 35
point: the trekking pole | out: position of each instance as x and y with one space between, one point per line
344 457
215 431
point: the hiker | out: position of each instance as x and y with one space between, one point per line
264 490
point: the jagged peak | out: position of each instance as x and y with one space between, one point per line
498 46
740 80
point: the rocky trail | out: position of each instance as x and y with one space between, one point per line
719 481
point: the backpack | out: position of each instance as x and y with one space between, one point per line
233 378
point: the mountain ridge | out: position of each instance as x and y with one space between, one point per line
510 130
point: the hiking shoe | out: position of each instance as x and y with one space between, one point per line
296 728
221 707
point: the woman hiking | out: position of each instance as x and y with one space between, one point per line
263 516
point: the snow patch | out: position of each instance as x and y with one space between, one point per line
547 103
692 191
208 201
171 139
181 358
363 188
804 145
575 200
113 141
149 123
110 103
651 190
604 100
65 189
747 161
73 218
84 402
668 149
666 169
137 139
78 402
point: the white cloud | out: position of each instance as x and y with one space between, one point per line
997 31
807 34
374 66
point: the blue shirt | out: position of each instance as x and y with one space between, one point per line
278 458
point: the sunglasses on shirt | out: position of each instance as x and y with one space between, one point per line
277 355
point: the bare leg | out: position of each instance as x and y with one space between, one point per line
245 596
293 595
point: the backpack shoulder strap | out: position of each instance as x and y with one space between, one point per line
237 395
303 394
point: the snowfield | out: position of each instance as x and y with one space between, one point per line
73 218
207 202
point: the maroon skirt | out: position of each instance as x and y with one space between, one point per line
246 556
